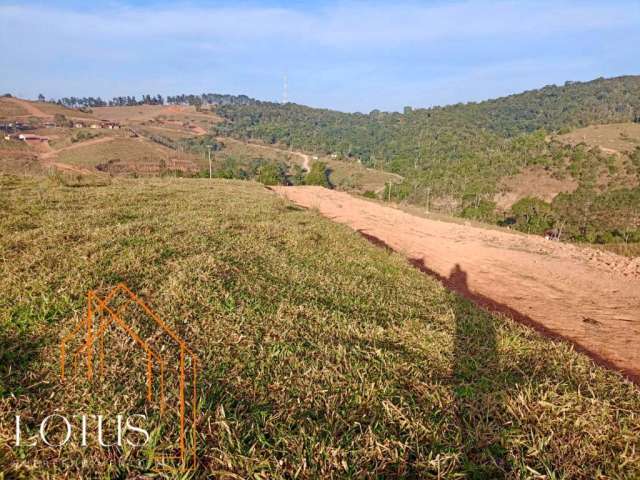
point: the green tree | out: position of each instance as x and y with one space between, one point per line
318 175
270 174
532 215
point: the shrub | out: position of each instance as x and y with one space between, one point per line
532 215
370 194
270 174
483 211
318 175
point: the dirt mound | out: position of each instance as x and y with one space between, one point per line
589 297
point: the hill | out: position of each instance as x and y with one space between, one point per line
322 355
516 161
459 158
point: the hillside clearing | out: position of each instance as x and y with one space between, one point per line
532 182
323 356
612 138
128 155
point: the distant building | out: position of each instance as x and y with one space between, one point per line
30 138
94 125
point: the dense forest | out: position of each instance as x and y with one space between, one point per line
457 155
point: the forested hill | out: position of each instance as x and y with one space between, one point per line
552 108
459 155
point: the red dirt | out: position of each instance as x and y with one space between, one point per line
589 297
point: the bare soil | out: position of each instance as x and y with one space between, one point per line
532 182
589 297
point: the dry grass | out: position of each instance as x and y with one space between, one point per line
352 176
123 149
54 108
9 109
619 137
532 182
145 113
133 154
16 157
627 249
323 356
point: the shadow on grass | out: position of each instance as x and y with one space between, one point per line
457 282
480 382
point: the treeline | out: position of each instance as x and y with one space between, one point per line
130 101
91 102
211 99
584 215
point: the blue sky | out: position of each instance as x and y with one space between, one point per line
351 56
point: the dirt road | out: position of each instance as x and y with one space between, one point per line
589 297
306 159
53 153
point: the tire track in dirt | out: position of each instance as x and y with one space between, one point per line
589 297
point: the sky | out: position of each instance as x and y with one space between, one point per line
346 55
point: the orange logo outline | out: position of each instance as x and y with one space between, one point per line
87 347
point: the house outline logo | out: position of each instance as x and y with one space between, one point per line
92 339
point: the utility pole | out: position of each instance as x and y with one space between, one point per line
210 171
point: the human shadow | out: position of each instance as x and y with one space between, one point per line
457 283
477 386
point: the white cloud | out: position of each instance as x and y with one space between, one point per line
345 25
346 47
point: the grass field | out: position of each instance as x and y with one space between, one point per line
8 109
353 176
16 157
619 137
123 149
322 355
53 109
134 154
